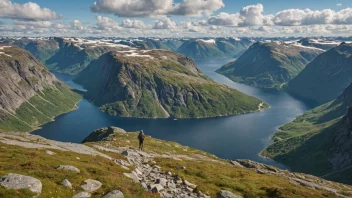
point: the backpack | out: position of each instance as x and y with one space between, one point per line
141 136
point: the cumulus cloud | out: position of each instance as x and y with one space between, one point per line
137 24
143 8
251 15
77 25
165 23
107 24
28 11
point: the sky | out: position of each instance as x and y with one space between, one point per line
176 18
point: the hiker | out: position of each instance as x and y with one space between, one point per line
141 138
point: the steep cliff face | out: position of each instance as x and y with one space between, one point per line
326 77
158 84
318 142
29 94
269 65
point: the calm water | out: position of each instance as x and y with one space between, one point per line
235 137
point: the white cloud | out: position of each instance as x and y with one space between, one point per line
137 24
251 15
143 8
107 24
77 25
28 11
339 4
165 23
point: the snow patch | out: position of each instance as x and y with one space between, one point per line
211 41
307 47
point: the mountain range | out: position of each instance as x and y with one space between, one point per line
270 64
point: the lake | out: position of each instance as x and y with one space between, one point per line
234 137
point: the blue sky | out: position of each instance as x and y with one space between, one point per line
192 18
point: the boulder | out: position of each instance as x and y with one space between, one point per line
91 185
102 134
18 182
227 194
68 168
156 188
189 184
82 195
66 183
162 182
114 194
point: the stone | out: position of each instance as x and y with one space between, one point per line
68 168
18 182
91 185
162 182
132 176
49 152
66 183
82 195
227 194
156 188
114 194
236 164
193 186
138 171
168 173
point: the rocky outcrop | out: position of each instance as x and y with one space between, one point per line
227 194
114 194
68 168
20 182
269 65
103 133
91 185
158 84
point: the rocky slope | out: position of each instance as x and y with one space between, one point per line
326 77
65 55
208 49
318 142
159 84
112 165
269 64
29 94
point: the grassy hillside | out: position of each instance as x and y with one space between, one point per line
318 141
159 84
39 109
326 77
269 65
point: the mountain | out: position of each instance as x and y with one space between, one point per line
41 49
29 94
158 84
65 55
110 165
319 43
326 77
207 49
167 44
318 142
269 64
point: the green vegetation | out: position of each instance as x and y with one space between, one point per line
166 85
40 109
38 164
269 65
212 174
326 77
305 144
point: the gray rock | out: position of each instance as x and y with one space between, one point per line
91 185
18 182
66 183
132 176
189 184
68 168
82 195
156 188
162 182
227 194
114 194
